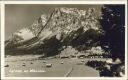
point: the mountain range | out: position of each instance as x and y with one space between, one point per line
51 34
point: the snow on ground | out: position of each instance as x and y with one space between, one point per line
37 68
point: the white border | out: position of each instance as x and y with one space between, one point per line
59 2
2 40
126 39
64 2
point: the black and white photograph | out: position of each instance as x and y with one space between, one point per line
65 40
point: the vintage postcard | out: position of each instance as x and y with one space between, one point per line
64 40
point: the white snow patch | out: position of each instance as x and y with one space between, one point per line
25 34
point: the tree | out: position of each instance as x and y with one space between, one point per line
113 23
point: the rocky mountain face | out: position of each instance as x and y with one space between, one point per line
51 34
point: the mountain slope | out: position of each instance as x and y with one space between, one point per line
63 27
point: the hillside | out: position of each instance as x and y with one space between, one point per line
51 34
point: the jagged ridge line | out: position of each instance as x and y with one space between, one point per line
46 23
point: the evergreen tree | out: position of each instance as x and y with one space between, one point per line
113 23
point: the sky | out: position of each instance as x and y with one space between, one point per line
23 15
